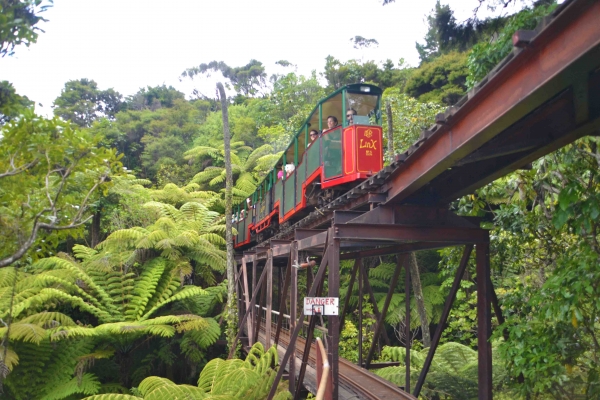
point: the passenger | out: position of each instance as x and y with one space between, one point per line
280 175
314 134
350 116
332 122
289 169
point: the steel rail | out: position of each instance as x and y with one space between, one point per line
359 380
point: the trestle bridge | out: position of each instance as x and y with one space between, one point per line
544 95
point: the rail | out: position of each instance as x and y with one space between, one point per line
359 381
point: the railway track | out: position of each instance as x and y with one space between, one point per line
364 383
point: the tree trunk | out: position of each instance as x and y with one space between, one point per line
390 130
231 309
95 230
418 290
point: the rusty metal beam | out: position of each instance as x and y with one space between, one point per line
443 318
396 249
355 268
283 300
518 88
386 304
248 312
296 331
369 289
333 283
315 240
484 321
409 233
269 295
407 323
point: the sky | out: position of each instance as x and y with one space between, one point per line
130 44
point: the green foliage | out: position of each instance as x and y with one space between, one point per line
65 169
246 80
82 103
488 53
409 117
442 80
452 375
446 35
18 23
11 103
338 74
220 379
348 346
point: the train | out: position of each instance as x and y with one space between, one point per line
311 173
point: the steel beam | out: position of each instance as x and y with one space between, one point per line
518 88
269 267
355 268
386 304
369 289
443 318
248 312
293 319
406 321
396 249
282 299
315 240
333 284
409 233
288 354
484 321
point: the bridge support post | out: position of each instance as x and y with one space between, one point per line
334 321
247 300
269 305
293 308
484 320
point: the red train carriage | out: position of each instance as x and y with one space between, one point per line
319 170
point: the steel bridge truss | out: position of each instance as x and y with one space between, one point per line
385 230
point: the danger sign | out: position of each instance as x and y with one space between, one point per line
321 306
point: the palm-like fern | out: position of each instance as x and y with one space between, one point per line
220 379
379 278
182 238
247 170
126 306
453 372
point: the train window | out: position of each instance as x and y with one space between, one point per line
364 104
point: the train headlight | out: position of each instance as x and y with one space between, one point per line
365 89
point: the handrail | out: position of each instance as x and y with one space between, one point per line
323 384
317 327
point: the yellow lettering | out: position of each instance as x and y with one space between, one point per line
368 144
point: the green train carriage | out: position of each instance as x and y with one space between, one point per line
339 159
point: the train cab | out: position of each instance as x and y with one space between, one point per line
324 159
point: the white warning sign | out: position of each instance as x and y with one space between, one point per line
321 305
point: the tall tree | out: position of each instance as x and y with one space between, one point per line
83 103
232 306
247 80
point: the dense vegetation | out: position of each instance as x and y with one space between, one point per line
112 249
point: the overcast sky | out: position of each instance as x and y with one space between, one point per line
128 44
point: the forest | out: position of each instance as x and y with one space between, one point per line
113 280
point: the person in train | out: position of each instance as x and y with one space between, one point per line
350 116
289 169
280 174
314 134
332 122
